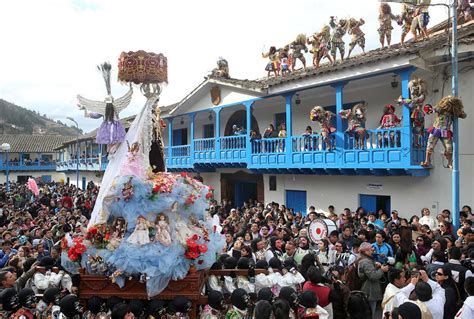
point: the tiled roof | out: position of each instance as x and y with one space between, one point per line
34 143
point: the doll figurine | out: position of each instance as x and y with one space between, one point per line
118 229
385 22
318 114
338 31
358 37
140 235
389 120
127 190
133 165
446 110
299 45
163 230
273 66
405 20
356 119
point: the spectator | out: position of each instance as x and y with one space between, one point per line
397 280
444 277
467 310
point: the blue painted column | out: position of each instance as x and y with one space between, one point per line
454 92
339 87
289 128
248 143
192 117
218 133
170 139
406 137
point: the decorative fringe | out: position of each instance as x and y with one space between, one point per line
106 70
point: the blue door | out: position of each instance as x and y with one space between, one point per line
46 178
368 202
180 137
244 191
297 201
83 183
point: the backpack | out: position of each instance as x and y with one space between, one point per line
353 281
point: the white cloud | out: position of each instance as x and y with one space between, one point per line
51 47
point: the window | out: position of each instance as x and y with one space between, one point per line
208 131
180 137
279 119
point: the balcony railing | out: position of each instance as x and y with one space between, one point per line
85 164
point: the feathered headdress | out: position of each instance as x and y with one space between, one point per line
453 105
106 70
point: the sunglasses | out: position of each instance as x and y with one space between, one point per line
439 274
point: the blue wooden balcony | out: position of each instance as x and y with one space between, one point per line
381 152
33 166
85 164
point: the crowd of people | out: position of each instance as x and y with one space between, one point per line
372 265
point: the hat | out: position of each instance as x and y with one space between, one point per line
68 305
239 298
180 304
233 210
215 299
409 310
365 247
50 295
394 212
156 308
265 294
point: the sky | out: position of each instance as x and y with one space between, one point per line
50 48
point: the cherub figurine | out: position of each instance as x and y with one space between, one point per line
222 70
127 190
385 21
405 20
358 37
163 230
140 235
389 120
318 114
274 64
417 89
324 38
356 118
338 32
446 110
299 45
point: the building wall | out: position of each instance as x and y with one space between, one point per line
90 176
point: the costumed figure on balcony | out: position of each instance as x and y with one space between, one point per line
389 120
447 109
385 21
111 131
324 39
356 119
298 46
318 114
417 89
357 36
465 10
222 70
405 20
163 230
339 29
421 18
273 66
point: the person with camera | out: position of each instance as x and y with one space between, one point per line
397 280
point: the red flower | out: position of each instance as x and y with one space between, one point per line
195 237
200 262
191 255
93 230
107 236
202 249
209 195
184 174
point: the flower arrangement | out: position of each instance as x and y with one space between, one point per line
76 250
193 249
99 236
162 183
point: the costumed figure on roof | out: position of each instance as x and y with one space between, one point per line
318 114
339 29
389 120
385 21
273 66
421 18
222 70
465 10
148 223
357 36
447 109
323 38
285 60
356 119
111 131
298 46
417 89
405 20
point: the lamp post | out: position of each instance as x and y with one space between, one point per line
6 148
77 150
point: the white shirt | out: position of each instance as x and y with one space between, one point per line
435 305
467 310
389 298
430 221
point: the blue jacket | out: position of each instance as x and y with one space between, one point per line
384 249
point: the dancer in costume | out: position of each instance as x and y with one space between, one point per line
274 64
389 120
141 234
111 132
421 18
417 89
358 37
338 31
385 22
318 114
222 70
446 110
405 20
299 45
356 119
324 38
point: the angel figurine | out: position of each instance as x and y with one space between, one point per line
163 230
111 131
358 37
140 235
134 164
